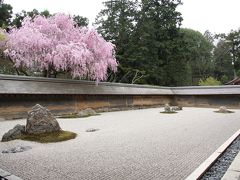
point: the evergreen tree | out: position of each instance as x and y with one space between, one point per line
157 27
197 53
227 56
81 21
144 33
116 23
5 14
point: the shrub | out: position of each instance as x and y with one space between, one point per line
210 81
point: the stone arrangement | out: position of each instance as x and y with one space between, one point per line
173 109
81 114
40 120
223 109
86 112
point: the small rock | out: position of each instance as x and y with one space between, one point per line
92 130
41 120
105 109
14 133
167 108
116 109
16 149
176 108
87 112
223 109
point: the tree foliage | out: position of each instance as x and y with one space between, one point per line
116 24
151 46
80 21
227 55
223 61
233 39
197 52
55 44
18 18
157 26
143 32
5 14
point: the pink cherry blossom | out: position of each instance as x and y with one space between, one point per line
54 43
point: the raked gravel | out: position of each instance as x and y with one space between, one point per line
138 144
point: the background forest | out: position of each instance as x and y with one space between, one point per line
151 47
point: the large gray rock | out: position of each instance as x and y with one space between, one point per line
40 120
14 133
87 112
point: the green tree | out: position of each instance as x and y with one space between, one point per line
197 52
116 23
224 69
5 14
227 55
144 33
81 21
209 36
18 18
151 47
157 27
233 39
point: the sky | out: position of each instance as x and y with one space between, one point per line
217 16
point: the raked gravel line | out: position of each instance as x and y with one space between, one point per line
138 144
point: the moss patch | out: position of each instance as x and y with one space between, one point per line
49 137
74 115
172 112
226 112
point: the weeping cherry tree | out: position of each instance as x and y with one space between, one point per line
56 44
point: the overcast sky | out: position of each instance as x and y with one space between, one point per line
218 16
